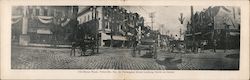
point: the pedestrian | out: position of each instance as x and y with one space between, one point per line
199 47
204 44
196 47
134 45
214 45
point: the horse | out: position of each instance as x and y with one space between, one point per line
83 45
79 45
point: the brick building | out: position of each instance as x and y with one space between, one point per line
116 25
41 24
220 23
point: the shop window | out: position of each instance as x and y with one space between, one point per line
37 12
84 18
97 14
91 17
106 25
50 12
45 12
30 11
88 17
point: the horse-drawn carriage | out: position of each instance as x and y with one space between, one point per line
176 46
146 45
86 38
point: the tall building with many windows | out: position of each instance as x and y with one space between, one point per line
116 25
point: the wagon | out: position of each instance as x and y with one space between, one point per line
86 38
147 46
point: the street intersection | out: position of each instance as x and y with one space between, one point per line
120 59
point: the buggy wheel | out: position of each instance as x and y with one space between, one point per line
155 53
133 53
155 56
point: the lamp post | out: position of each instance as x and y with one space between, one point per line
151 15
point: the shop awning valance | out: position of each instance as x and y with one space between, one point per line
65 23
16 19
45 19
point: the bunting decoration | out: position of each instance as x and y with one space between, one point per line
65 23
16 19
45 19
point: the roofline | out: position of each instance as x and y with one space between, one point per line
84 11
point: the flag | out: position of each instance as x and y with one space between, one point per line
223 7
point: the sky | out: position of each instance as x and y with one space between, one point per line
166 15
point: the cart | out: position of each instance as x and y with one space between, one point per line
147 46
87 38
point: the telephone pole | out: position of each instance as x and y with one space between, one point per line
193 31
162 28
180 33
151 15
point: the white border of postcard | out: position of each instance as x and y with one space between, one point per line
7 73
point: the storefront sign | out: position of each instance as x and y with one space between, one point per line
43 31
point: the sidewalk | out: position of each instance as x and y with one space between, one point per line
42 45
58 46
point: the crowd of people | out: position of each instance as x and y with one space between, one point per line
176 45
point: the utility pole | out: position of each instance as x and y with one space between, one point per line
151 15
111 20
180 33
162 28
181 19
193 30
74 22
97 29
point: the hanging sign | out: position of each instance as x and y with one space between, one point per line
43 31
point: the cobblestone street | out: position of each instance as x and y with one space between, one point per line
121 59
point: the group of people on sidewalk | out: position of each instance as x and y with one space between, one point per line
198 46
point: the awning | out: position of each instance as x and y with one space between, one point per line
188 34
16 19
108 37
107 30
130 34
234 33
192 34
197 33
121 38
